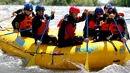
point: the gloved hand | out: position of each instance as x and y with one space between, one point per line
86 40
14 14
123 40
101 23
85 11
52 12
38 42
112 16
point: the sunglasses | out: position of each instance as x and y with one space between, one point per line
106 8
29 10
40 11
99 13
112 12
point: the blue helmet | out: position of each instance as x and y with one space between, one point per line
112 10
39 7
28 6
107 6
99 10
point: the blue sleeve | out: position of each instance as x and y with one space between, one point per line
47 16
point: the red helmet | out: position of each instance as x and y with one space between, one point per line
74 9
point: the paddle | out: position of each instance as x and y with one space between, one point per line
19 40
121 34
86 63
87 32
31 62
14 32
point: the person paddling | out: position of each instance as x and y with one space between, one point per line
104 33
23 21
121 24
66 34
93 23
38 25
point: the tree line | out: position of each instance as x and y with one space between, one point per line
125 3
67 2
54 2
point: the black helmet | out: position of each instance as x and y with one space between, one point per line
112 10
107 6
39 7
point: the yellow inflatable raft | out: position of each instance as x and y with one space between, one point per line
100 54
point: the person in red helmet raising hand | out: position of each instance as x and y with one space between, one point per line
66 34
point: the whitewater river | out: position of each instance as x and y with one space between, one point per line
11 64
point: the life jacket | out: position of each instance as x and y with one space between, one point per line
91 24
26 23
42 28
91 20
114 29
70 31
60 22
105 27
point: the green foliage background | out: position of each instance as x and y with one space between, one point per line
125 3
55 2
68 2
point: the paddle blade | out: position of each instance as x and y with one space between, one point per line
86 63
20 41
32 61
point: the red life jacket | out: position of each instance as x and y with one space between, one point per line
105 27
91 24
59 24
42 27
114 29
26 23
69 31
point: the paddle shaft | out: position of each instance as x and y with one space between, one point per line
87 32
14 32
121 34
43 34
